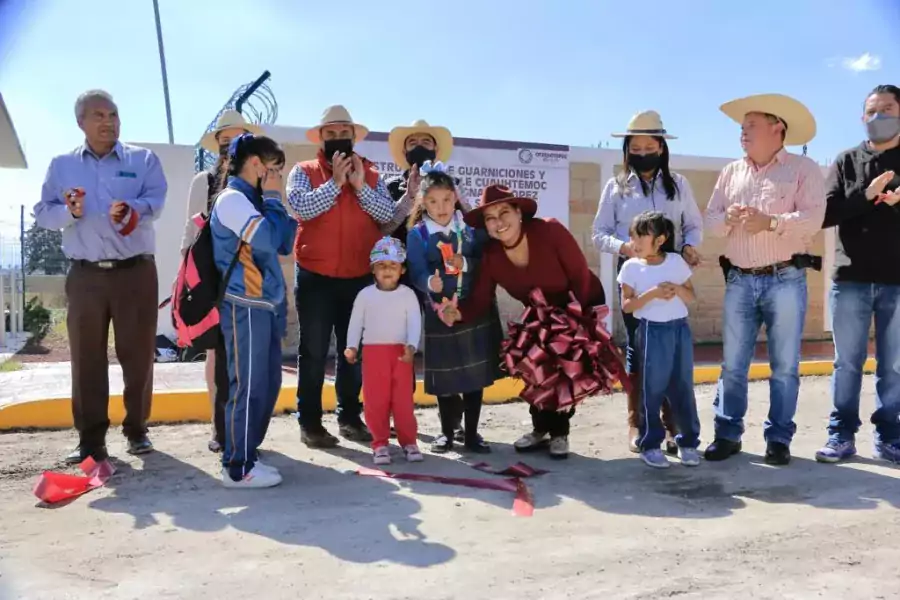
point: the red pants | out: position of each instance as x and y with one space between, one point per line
387 393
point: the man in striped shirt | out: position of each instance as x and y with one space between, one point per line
767 206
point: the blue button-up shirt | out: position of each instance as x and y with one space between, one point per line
619 205
129 174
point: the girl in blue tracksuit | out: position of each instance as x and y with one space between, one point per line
249 219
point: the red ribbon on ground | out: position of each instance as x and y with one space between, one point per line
523 505
562 354
52 488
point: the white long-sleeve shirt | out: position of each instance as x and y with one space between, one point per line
381 317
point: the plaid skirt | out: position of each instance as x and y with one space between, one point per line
463 358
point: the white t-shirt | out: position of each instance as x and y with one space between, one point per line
381 317
642 277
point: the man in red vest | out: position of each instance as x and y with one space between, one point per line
341 202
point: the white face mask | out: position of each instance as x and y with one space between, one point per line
882 128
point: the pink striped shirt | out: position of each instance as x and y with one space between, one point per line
790 188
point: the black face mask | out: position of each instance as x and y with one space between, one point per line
418 155
342 146
223 149
644 163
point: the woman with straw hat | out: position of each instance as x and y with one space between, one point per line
645 183
203 190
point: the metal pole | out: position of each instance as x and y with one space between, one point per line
162 64
22 246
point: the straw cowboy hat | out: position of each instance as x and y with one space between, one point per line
229 119
647 122
336 115
801 125
397 141
496 194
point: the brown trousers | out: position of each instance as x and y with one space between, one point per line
127 297
635 414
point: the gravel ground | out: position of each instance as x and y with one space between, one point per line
605 526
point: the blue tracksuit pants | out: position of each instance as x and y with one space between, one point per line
666 370
253 346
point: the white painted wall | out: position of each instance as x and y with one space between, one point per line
178 165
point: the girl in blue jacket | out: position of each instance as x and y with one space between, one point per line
443 254
249 219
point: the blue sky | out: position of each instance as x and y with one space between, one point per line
503 69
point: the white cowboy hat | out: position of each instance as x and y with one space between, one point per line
801 125
336 115
397 141
647 122
229 119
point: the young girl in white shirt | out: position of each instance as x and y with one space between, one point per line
656 288
386 319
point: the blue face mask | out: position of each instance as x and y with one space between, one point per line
882 128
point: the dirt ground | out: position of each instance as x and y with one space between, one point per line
605 526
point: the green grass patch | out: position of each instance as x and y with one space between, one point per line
10 366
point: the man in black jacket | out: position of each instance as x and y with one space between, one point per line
863 196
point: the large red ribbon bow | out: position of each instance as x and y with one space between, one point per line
562 354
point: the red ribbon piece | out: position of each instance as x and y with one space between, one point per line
53 488
523 505
563 355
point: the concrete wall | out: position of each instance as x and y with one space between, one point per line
589 170
51 289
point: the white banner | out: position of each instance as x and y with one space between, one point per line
530 172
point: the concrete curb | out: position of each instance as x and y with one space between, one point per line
193 405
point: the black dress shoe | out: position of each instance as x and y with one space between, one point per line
721 449
77 456
355 432
141 445
317 437
478 445
777 454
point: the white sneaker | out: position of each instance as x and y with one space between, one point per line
264 467
689 457
381 456
530 441
413 454
256 478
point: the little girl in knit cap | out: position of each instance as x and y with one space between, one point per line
387 320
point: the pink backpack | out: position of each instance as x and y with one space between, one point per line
198 291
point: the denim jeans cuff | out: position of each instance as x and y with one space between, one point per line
778 440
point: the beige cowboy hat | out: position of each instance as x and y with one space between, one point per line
336 115
647 122
397 141
230 119
801 125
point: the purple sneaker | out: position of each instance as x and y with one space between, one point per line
835 451
888 452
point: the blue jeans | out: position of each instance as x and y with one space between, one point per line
665 352
852 308
779 302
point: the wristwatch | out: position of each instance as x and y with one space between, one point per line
773 223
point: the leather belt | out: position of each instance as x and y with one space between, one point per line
767 270
110 265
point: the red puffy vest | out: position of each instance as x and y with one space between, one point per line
337 243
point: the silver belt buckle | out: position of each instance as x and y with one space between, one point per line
105 264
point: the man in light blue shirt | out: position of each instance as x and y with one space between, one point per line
104 196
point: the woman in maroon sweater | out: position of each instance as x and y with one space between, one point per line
525 254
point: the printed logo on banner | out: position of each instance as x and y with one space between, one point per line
543 157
